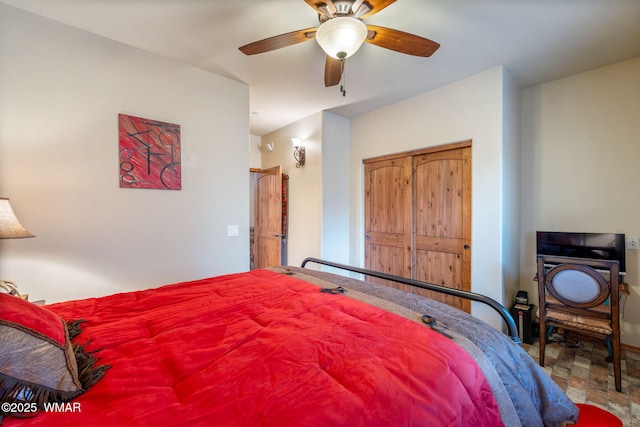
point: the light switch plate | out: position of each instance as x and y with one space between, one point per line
632 243
232 231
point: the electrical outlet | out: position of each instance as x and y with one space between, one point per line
632 243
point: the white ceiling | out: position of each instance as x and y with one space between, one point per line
536 41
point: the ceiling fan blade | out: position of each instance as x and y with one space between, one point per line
332 71
277 42
370 7
323 7
400 41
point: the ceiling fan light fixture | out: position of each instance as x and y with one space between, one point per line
341 37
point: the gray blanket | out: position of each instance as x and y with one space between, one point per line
525 393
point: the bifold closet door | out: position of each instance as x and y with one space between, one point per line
418 217
442 222
387 197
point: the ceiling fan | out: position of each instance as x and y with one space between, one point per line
342 32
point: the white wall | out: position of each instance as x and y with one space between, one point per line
61 90
255 151
580 165
335 180
510 188
468 109
305 184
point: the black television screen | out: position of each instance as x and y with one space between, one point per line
609 246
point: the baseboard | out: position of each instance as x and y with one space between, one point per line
627 347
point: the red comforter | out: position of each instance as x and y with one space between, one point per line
262 348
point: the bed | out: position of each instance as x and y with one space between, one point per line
285 346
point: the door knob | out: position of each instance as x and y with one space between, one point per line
467 247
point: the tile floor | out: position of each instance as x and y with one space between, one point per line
586 377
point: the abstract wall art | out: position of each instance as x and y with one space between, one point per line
149 154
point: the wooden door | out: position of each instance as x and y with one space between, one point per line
387 191
442 222
268 221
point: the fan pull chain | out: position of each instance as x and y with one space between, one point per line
342 78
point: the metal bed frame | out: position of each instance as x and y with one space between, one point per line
512 329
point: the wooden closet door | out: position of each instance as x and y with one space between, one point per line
442 222
387 194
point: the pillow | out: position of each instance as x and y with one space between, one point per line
38 362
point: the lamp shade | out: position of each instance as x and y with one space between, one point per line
10 227
341 37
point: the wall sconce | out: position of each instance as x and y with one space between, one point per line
298 151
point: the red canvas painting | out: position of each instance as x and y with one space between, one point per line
149 154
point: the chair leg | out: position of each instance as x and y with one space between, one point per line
617 371
543 341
